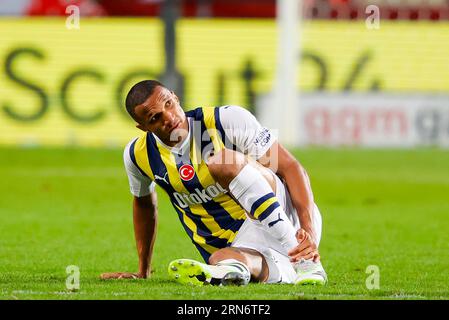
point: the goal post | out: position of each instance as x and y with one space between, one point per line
280 111
286 79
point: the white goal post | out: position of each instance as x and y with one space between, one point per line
279 111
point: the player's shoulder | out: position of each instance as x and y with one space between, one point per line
126 154
232 108
132 142
235 110
235 115
196 112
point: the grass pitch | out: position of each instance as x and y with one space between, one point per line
61 207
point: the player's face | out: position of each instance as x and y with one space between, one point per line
162 114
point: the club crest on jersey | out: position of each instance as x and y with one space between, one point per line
186 172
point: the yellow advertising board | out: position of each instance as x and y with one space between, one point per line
61 86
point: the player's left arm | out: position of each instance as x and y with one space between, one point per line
259 143
285 165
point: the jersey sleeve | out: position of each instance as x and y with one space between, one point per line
139 184
245 132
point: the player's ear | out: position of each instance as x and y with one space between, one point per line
141 127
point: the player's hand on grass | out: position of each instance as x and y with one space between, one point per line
306 249
121 275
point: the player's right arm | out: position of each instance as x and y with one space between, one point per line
144 213
145 226
144 219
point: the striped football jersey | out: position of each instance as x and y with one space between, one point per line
209 215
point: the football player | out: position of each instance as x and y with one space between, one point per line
243 199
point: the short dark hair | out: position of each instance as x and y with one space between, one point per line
140 92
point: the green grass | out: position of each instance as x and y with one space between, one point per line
61 207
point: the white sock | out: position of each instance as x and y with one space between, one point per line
255 195
233 265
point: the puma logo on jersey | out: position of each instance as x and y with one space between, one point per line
272 223
199 196
161 178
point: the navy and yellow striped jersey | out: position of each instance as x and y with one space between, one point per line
210 216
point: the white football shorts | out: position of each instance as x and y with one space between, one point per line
253 235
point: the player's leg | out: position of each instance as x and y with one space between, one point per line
304 271
255 193
245 180
227 266
226 164
253 260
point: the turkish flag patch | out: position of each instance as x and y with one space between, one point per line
186 172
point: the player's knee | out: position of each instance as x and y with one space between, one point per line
226 163
226 253
216 257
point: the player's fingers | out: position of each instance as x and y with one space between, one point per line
316 257
109 275
305 245
309 256
118 275
305 254
301 235
128 276
294 251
